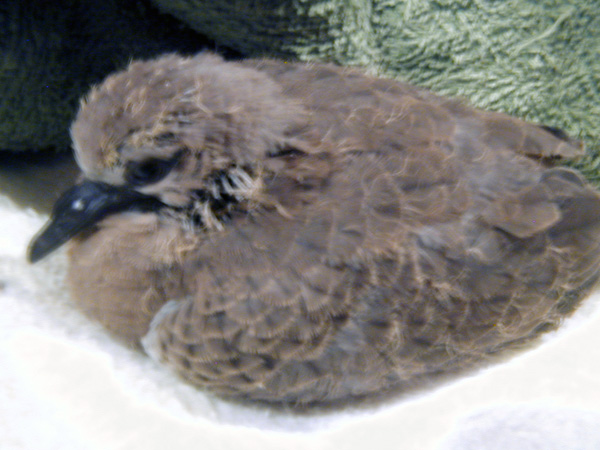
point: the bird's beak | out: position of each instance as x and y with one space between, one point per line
81 207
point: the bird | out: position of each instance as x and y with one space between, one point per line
306 234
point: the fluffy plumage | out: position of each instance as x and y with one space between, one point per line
306 233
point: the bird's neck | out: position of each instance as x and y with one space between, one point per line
227 192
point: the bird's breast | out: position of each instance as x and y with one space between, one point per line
122 272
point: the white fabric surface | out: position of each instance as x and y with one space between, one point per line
64 384
528 428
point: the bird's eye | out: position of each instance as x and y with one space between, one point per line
149 171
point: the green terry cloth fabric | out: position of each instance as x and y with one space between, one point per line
51 52
536 59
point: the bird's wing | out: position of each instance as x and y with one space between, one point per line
356 110
264 306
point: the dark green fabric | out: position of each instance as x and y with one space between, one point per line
536 59
50 53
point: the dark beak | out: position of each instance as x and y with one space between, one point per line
81 207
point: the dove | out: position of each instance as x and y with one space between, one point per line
308 234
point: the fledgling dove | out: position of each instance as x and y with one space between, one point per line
306 233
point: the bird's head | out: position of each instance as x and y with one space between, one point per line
190 135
